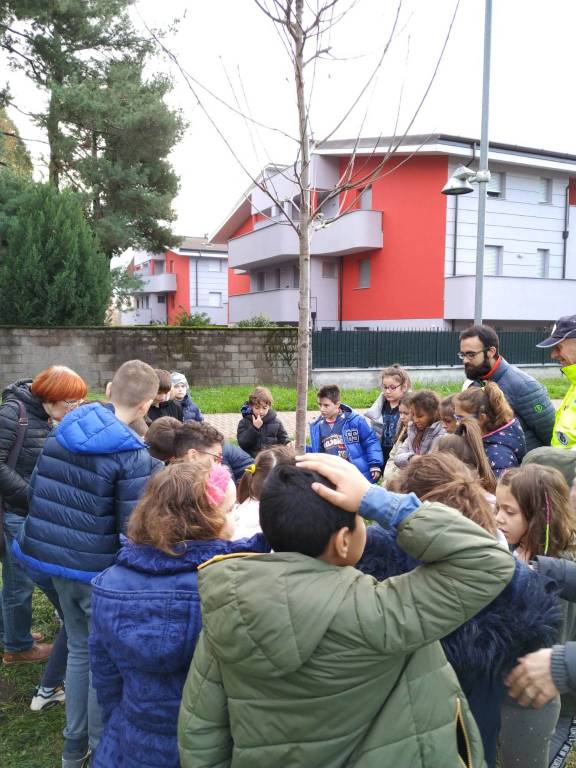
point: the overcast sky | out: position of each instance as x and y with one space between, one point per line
230 47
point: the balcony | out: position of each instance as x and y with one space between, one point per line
135 317
164 283
280 306
510 298
354 232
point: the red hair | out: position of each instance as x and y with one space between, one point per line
59 383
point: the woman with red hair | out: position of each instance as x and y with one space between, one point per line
27 413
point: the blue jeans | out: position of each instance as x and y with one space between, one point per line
17 590
83 717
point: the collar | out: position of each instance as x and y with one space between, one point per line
570 372
492 370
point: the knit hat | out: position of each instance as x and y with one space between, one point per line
217 484
178 378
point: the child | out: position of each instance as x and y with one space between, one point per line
424 429
534 513
522 618
404 419
247 513
467 446
447 415
181 394
384 415
160 438
340 431
146 612
502 434
86 482
306 662
162 405
259 426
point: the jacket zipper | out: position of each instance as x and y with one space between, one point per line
460 722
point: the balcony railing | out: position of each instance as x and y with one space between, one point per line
354 232
280 306
164 283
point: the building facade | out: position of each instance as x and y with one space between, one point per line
189 279
396 253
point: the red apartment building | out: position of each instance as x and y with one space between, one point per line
401 254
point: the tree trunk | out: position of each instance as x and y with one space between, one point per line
53 124
304 237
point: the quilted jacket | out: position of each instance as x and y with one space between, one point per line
145 622
362 444
406 450
505 447
254 440
14 482
86 482
190 411
524 617
529 401
303 663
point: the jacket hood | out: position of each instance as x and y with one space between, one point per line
94 428
347 412
266 614
20 390
510 435
148 559
436 429
246 411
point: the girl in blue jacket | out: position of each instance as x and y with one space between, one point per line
146 611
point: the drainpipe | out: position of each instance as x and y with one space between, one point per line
340 291
565 233
196 279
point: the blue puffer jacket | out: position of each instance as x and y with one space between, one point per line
190 411
505 447
86 482
524 617
362 444
146 619
529 401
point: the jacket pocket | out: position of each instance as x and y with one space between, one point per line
463 740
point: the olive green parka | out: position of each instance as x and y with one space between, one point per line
303 664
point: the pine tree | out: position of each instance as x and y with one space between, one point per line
52 271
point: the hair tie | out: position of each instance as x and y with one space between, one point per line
251 468
217 484
548 515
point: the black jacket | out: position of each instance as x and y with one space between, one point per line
165 408
14 482
254 440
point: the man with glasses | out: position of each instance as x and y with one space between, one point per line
562 345
479 350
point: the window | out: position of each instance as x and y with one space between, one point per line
146 301
545 191
161 299
171 266
495 187
260 281
214 265
215 299
275 281
329 269
364 273
365 199
493 260
158 267
542 262
296 277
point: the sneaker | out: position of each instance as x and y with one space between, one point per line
38 652
44 698
81 762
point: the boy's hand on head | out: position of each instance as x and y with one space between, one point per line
257 421
350 485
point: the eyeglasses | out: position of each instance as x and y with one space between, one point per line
471 355
218 456
391 388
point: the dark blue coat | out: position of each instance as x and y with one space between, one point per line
236 460
86 482
146 619
362 444
505 447
524 617
190 411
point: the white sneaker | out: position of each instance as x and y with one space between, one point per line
44 698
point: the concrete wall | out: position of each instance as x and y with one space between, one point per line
208 357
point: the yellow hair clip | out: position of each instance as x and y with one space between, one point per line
251 469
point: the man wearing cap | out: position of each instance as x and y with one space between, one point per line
562 344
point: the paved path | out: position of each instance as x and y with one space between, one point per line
227 422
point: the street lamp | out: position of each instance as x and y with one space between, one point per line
459 183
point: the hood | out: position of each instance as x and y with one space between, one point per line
267 614
246 411
94 428
436 429
346 411
511 434
20 390
148 559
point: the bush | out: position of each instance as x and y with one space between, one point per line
258 321
196 319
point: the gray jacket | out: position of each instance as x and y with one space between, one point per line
406 450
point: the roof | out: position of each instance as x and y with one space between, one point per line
201 244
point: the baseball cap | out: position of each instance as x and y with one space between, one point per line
564 328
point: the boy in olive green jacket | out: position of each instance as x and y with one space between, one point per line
304 662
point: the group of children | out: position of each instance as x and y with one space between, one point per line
211 616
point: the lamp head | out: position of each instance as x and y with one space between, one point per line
459 182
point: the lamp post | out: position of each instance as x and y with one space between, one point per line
460 181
